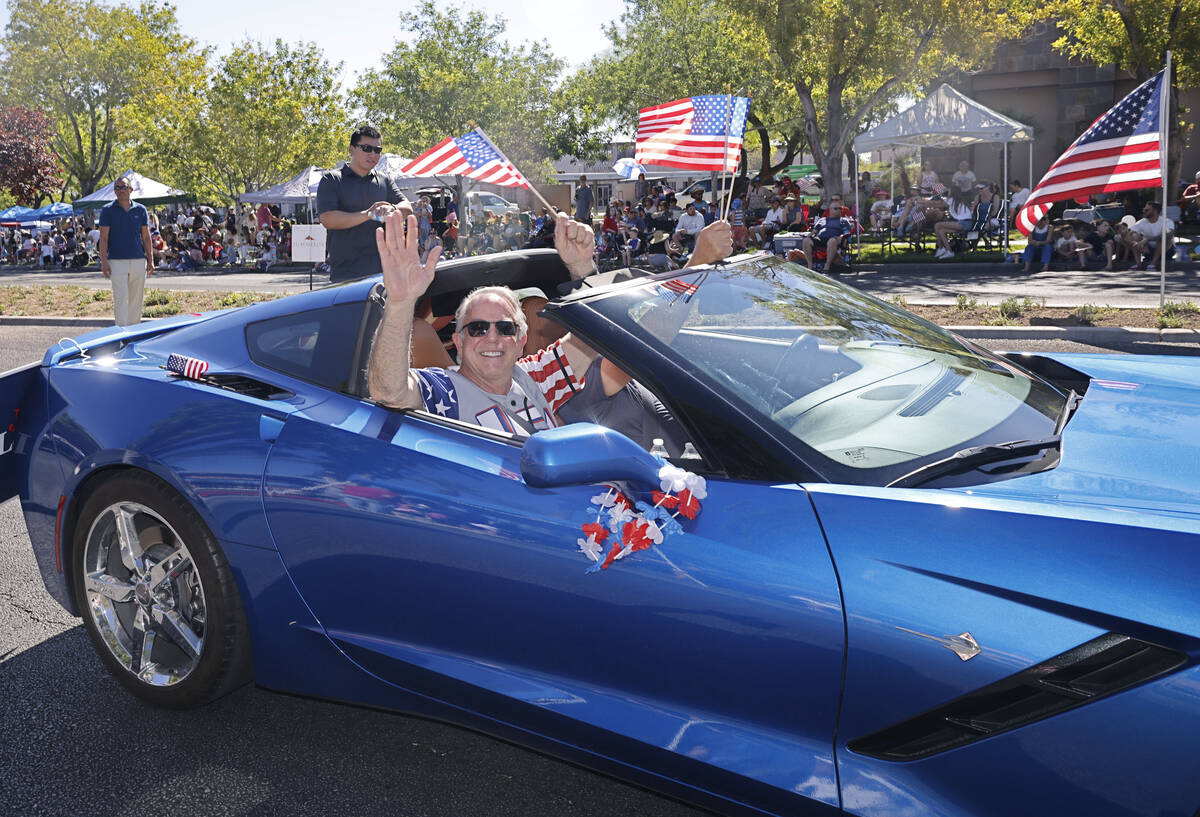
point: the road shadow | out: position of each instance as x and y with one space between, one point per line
73 741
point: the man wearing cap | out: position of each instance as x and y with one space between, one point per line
689 226
350 200
1190 200
126 252
493 385
829 230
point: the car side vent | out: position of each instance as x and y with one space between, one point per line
1091 671
245 385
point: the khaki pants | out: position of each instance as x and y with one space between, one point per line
128 283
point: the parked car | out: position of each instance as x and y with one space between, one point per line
909 576
493 204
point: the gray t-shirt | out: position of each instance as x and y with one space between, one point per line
352 252
633 411
583 203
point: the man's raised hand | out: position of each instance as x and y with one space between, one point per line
576 244
713 243
405 277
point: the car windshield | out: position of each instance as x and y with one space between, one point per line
863 390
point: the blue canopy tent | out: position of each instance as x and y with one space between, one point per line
14 213
51 212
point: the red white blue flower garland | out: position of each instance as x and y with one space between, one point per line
636 525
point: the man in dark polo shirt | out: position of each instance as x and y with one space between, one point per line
126 254
352 200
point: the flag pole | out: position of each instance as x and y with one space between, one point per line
725 151
535 191
1164 107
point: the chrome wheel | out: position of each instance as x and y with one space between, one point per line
143 594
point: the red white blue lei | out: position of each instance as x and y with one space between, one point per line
637 525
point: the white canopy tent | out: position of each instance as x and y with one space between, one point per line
945 119
144 191
296 190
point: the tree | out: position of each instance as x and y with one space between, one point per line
459 69
84 64
1135 35
28 168
711 52
820 70
263 115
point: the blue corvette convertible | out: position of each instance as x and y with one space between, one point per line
894 574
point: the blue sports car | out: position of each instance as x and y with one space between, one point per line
891 573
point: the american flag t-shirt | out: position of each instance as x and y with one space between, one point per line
1120 151
185 366
690 133
470 155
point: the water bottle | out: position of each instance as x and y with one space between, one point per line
689 452
658 449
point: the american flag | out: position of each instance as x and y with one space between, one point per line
471 155
1120 151
190 367
690 133
807 184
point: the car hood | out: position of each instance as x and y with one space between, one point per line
1133 444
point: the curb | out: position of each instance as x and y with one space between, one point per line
1091 335
53 320
1080 334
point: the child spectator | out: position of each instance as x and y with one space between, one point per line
1068 248
1039 243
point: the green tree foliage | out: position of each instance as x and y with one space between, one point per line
28 169
86 65
260 117
818 71
1135 35
458 69
669 49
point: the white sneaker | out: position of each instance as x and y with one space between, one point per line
943 253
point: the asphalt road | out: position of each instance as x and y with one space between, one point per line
72 741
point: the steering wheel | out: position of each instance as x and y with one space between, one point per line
804 344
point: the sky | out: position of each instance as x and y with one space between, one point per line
358 32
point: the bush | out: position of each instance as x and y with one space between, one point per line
900 300
157 297
965 303
1010 308
1172 309
161 310
238 299
1088 313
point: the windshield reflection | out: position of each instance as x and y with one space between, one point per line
862 389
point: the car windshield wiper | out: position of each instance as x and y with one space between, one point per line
970 458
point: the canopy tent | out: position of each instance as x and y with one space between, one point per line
15 212
51 212
945 119
145 191
296 190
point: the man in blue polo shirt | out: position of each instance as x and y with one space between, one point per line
352 200
126 254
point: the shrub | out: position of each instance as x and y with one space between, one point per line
900 300
965 303
1088 313
1010 308
157 297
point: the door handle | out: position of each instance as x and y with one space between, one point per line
269 426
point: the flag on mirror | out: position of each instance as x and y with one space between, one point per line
691 133
1120 151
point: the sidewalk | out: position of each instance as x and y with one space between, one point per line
930 283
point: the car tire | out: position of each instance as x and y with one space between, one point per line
157 596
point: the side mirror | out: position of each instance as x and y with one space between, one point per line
583 454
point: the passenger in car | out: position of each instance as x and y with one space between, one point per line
493 385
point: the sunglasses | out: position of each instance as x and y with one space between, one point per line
370 148
121 187
478 329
